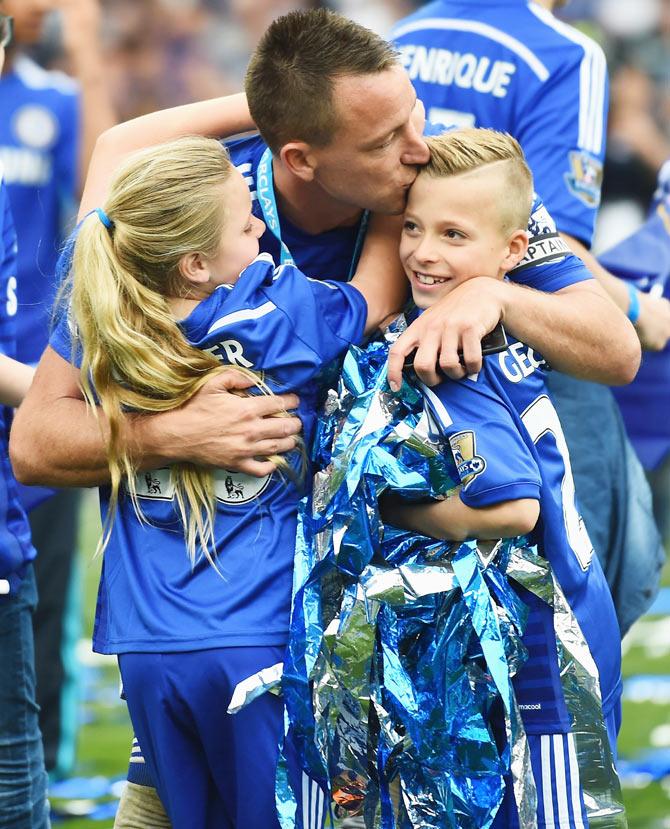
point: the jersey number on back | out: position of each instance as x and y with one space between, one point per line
540 419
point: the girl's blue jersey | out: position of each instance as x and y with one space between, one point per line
511 65
507 443
285 326
15 546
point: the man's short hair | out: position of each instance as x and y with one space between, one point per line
290 78
466 150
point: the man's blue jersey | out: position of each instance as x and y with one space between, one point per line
511 65
15 547
286 327
549 265
508 444
39 126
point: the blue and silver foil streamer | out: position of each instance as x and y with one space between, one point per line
401 646
398 676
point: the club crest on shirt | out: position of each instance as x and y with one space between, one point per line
468 463
35 126
585 177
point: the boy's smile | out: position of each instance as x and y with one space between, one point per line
453 231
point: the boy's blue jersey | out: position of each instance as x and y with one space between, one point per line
507 443
549 264
511 65
279 323
15 546
39 126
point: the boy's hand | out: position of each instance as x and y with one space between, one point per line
457 322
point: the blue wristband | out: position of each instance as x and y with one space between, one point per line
634 303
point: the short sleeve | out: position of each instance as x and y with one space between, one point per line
326 316
61 339
549 264
562 131
491 457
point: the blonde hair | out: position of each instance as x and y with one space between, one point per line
465 150
165 202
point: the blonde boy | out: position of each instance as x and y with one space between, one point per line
466 217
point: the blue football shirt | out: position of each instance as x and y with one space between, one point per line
507 443
511 65
39 140
15 546
285 326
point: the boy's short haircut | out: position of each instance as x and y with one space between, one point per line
289 81
465 150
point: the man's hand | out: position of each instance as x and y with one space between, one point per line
458 322
57 441
653 324
218 427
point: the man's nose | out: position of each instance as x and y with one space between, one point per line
416 150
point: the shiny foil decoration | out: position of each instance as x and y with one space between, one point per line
398 675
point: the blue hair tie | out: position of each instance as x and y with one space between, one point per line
104 218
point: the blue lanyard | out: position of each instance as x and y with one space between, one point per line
266 196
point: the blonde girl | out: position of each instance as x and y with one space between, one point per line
164 287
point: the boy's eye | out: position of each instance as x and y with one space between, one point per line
454 234
408 225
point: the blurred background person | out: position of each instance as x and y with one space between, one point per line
49 123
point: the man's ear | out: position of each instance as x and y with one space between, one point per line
194 268
517 245
297 157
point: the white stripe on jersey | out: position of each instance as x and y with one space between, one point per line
575 784
556 780
313 804
136 752
240 316
451 24
437 404
35 77
592 76
305 799
560 781
547 789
